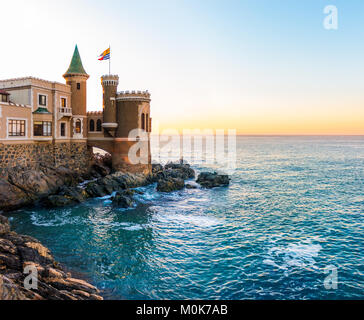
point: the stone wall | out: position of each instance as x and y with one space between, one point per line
73 155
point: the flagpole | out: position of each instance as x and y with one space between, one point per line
110 61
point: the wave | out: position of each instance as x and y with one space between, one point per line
299 255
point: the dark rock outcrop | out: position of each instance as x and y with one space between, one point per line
18 252
173 170
213 180
100 165
53 187
191 186
170 185
24 187
123 199
66 196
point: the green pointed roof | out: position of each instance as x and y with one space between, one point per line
76 66
42 110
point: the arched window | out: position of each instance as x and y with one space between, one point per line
92 125
99 125
147 123
78 126
143 121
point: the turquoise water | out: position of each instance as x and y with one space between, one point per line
295 206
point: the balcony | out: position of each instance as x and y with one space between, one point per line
65 112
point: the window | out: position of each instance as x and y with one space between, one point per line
78 86
92 125
42 100
63 102
63 129
16 128
42 129
143 121
3 97
78 126
147 123
99 125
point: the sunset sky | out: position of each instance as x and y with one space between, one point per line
260 67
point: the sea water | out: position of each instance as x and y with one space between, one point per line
292 214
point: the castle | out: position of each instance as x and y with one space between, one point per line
47 123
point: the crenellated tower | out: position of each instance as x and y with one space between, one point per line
133 112
109 87
122 127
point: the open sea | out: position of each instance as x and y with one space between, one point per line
291 218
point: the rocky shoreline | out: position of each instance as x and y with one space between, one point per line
61 187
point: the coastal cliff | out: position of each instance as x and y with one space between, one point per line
24 186
17 252
61 187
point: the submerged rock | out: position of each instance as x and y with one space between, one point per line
123 199
191 186
213 180
170 185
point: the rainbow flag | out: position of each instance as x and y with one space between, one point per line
105 55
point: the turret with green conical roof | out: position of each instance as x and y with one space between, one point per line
76 66
76 77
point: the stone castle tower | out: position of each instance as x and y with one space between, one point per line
123 113
77 77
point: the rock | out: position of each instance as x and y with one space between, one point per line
42 250
10 261
18 239
55 201
123 199
4 225
66 196
53 273
212 180
96 297
170 185
179 170
34 183
67 175
95 189
71 284
9 290
81 293
32 255
12 197
77 194
7 246
37 266
101 165
156 167
191 186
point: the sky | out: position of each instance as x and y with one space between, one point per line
257 66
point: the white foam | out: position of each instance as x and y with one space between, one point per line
200 221
134 228
57 221
294 255
107 197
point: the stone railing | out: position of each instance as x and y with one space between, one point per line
65 111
